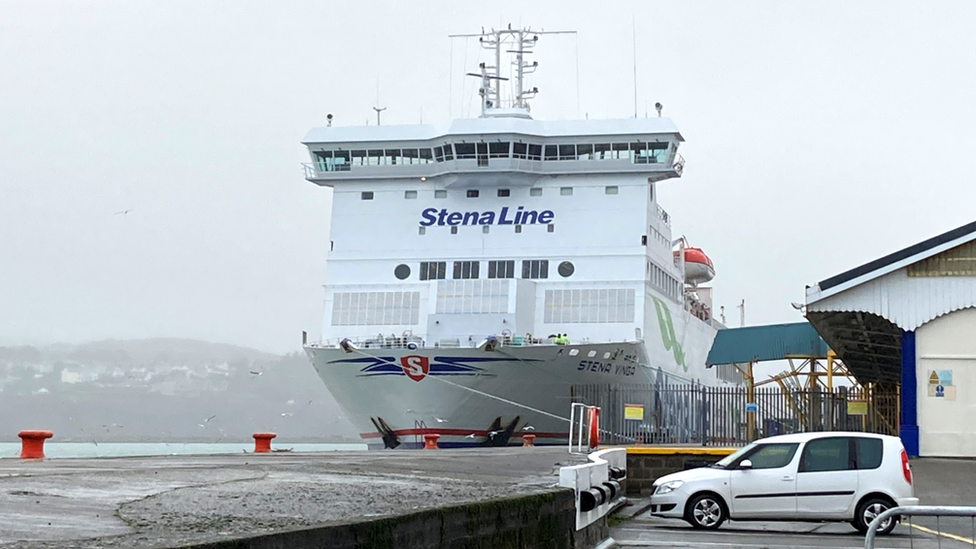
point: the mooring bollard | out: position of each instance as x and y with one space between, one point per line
430 442
528 440
32 446
262 442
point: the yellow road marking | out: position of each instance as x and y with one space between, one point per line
671 451
943 534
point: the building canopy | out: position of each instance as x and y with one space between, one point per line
770 342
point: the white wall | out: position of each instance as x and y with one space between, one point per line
945 425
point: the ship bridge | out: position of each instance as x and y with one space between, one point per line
494 151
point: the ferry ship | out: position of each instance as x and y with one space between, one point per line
481 269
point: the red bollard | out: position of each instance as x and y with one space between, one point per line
528 440
262 442
32 446
430 442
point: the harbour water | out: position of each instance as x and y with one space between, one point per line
120 449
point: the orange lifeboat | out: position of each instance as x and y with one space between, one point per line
698 267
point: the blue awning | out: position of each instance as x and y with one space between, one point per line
759 343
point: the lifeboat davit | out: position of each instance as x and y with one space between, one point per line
698 267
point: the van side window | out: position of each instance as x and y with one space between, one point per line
771 456
826 454
869 452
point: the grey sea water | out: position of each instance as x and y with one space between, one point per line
120 449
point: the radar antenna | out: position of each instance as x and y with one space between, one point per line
518 42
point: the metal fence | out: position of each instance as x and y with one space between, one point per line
692 413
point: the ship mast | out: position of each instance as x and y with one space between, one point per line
511 41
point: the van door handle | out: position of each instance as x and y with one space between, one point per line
786 479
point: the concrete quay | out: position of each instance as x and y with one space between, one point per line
176 501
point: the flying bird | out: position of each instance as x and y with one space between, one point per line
470 436
528 428
124 212
255 373
439 420
209 418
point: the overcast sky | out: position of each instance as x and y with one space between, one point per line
820 135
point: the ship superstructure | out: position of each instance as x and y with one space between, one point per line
478 270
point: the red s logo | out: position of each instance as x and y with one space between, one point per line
416 367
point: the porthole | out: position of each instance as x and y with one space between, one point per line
402 271
566 269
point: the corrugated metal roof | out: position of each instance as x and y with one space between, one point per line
771 342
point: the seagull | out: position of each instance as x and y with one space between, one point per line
439 420
528 428
287 414
209 418
255 373
470 436
124 212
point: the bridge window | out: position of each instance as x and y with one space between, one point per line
649 153
466 269
358 158
535 268
332 161
584 152
520 150
433 270
552 152
465 151
498 150
567 152
535 152
501 269
621 151
425 156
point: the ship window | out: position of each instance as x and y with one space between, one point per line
472 296
409 194
375 308
498 150
332 161
358 158
439 154
566 191
567 152
448 152
366 195
649 153
501 269
465 151
486 229
393 156
519 150
621 151
566 269
402 271
550 228
551 152
472 193
466 269
535 152
518 229
589 306
440 194
535 268
454 229
584 152
375 158
422 230
611 189
411 156
503 193
535 192
425 156
602 151
433 270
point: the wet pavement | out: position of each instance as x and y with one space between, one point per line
148 502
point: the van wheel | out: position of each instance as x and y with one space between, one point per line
705 512
868 510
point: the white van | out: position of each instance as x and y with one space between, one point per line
832 476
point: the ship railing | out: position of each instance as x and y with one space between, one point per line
663 215
415 342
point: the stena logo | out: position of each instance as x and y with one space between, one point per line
521 216
416 367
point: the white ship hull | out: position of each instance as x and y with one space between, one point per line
467 394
